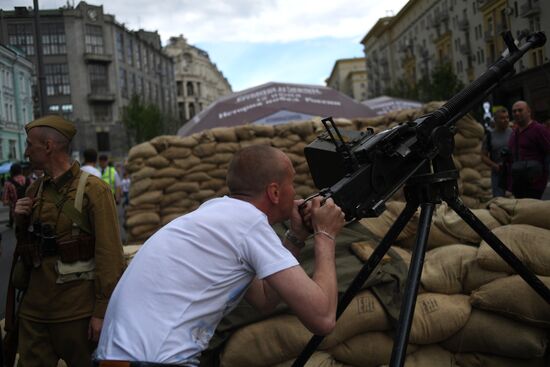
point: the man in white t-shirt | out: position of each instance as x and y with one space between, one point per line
195 270
90 160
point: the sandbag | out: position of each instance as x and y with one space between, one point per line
157 161
514 298
430 356
442 270
449 221
182 186
149 197
187 162
224 134
317 359
379 226
438 316
162 183
149 218
204 150
367 350
530 244
488 360
486 332
145 172
173 153
469 175
139 187
523 211
143 150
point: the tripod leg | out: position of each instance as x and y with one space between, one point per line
500 248
413 281
362 277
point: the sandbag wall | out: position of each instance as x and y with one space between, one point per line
172 175
472 309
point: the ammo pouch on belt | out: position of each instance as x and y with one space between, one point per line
78 270
76 248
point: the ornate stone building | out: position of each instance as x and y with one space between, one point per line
465 33
349 76
93 65
198 80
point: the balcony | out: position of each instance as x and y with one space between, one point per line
101 96
94 57
463 24
529 9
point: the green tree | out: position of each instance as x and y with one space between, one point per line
441 85
143 121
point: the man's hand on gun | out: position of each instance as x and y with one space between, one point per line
316 216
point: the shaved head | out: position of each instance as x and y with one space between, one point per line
254 167
61 142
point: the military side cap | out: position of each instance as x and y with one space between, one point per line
55 122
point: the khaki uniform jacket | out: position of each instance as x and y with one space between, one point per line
46 301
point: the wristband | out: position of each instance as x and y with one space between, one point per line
293 239
324 234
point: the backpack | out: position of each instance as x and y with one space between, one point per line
21 189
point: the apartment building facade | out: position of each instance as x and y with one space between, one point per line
16 104
93 65
466 34
349 76
198 80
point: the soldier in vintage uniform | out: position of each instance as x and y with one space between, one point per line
69 248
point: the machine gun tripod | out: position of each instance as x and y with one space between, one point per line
419 156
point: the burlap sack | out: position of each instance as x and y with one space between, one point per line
364 249
461 142
443 268
183 186
470 202
530 244
187 162
157 161
201 167
488 360
282 143
438 316
514 298
134 165
149 197
474 276
145 172
220 173
522 211
448 221
218 158
143 150
197 177
162 183
227 147
430 356
150 218
169 199
486 332
471 189
173 153
317 359
129 252
265 343
204 150
202 195
224 134
169 172
371 349
469 175
470 128
139 187
214 184
363 314
379 226
143 231
168 218
469 159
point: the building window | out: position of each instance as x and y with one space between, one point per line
53 39
57 80
139 86
179 88
119 41
123 82
145 64
102 112
138 55
12 149
191 110
1 149
67 109
131 83
99 82
53 108
103 143
190 90
130 51
21 36
94 39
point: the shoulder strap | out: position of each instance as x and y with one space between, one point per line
69 207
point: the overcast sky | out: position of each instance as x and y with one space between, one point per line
255 41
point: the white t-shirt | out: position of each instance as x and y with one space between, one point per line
91 170
185 278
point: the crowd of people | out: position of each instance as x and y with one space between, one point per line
518 153
77 301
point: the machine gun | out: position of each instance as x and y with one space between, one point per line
360 171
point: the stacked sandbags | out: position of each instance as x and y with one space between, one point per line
472 310
171 175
